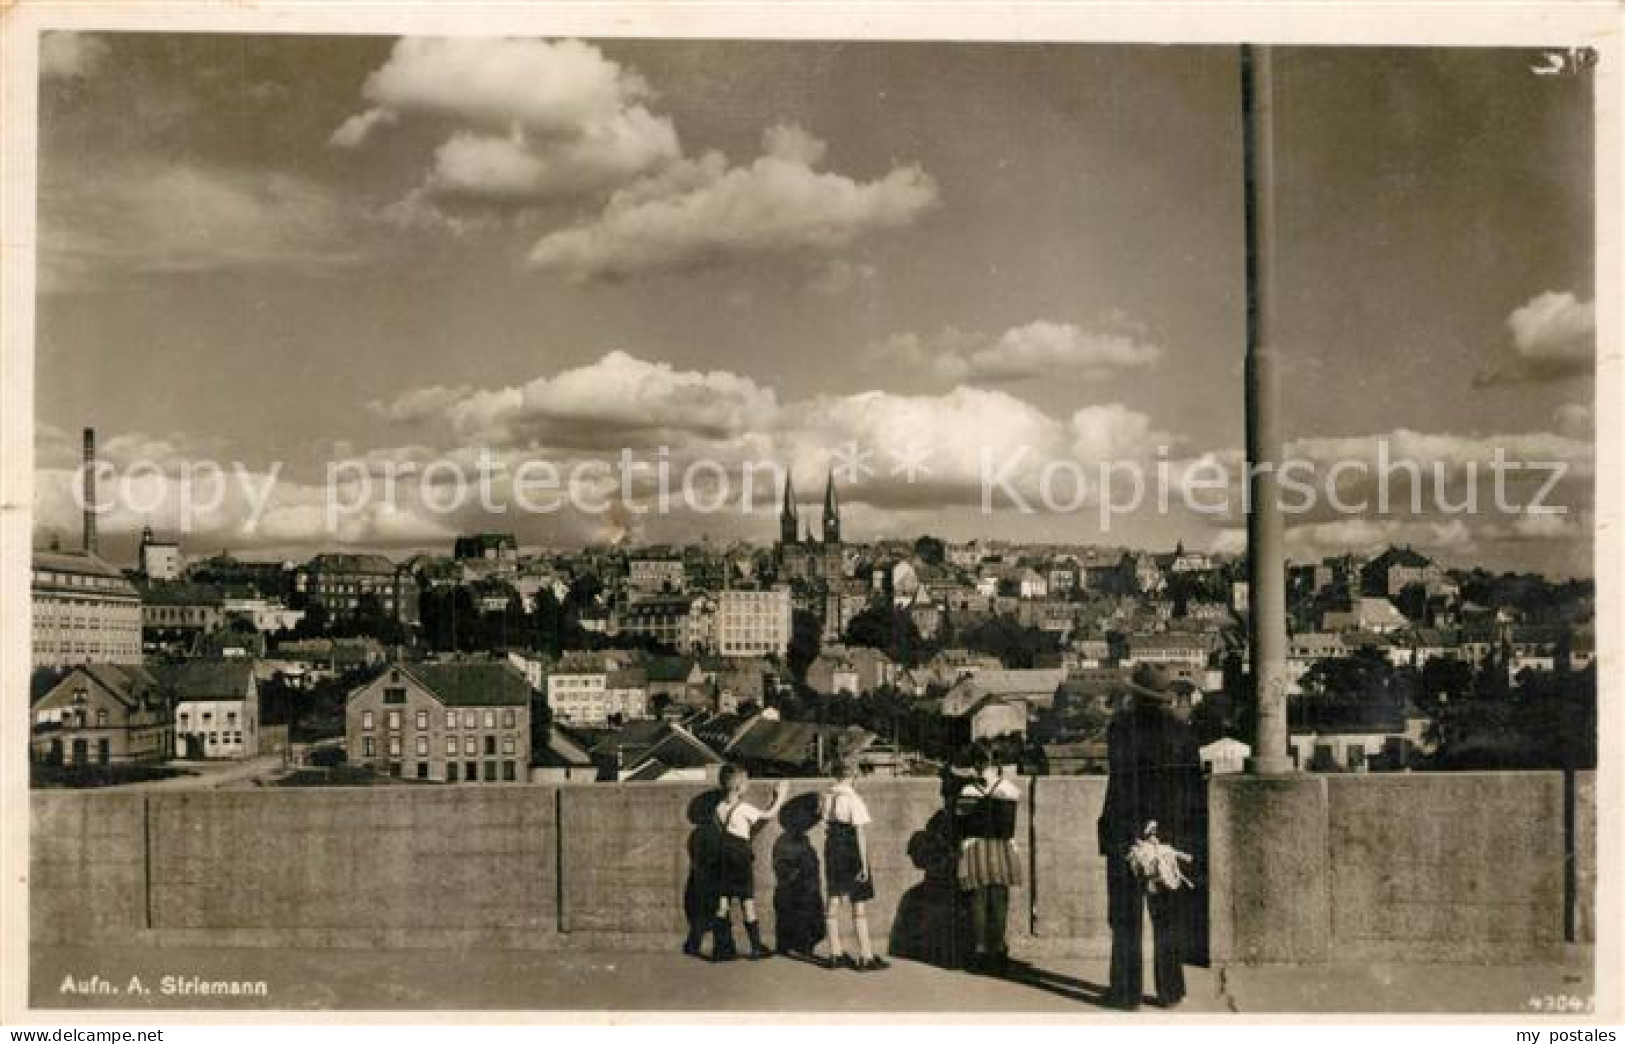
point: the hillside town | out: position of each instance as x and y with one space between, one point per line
500 663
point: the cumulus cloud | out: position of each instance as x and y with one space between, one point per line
726 422
67 55
1039 349
529 121
253 508
1452 452
54 447
1113 432
1574 420
623 401
958 428
605 403
355 129
419 404
1553 337
548 86
705 213
186 217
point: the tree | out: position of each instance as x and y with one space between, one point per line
885 627
313 624
1412 600
450 619
1005 638
369 620
584 591
806 639
1445 680
545 624
1212 719
931 550
1355 690
541 722
1542 720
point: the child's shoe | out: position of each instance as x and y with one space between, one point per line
873 964
722 947
758 952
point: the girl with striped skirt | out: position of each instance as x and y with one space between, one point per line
989 863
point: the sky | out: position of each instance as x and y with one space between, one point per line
286 251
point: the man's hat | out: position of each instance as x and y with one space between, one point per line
1150 683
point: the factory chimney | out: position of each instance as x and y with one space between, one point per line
90 491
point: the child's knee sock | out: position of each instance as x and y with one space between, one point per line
722 933
832 929
860 924
754 930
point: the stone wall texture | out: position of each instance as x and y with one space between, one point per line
1470 867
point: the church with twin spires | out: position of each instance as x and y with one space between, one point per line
800 556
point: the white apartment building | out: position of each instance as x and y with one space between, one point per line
753 623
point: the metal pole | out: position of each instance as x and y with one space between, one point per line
1266 563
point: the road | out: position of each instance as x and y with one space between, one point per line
211 775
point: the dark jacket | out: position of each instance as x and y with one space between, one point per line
1156 774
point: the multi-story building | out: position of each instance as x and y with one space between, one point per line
1398 568
666 620
268 615
594 690
156 559
497 547
1183 561
101 713
1172 647
852 670
217 707
457 722
267 579
1376 615
84 611
173 614
654 576
753 623
344 585
1026 583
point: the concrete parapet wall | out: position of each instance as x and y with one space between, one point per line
370 859
1583 900
1268 839
1451 867
87 867
1302 869
1069 874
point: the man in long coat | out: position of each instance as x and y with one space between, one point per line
1156 777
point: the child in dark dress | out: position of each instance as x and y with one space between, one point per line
846 869
736 863
989 864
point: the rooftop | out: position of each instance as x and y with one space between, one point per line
207 679
472 684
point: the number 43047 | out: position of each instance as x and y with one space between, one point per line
1560 1002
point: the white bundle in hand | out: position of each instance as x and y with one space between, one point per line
1157 864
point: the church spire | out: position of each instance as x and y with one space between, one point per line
787 513
832 512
